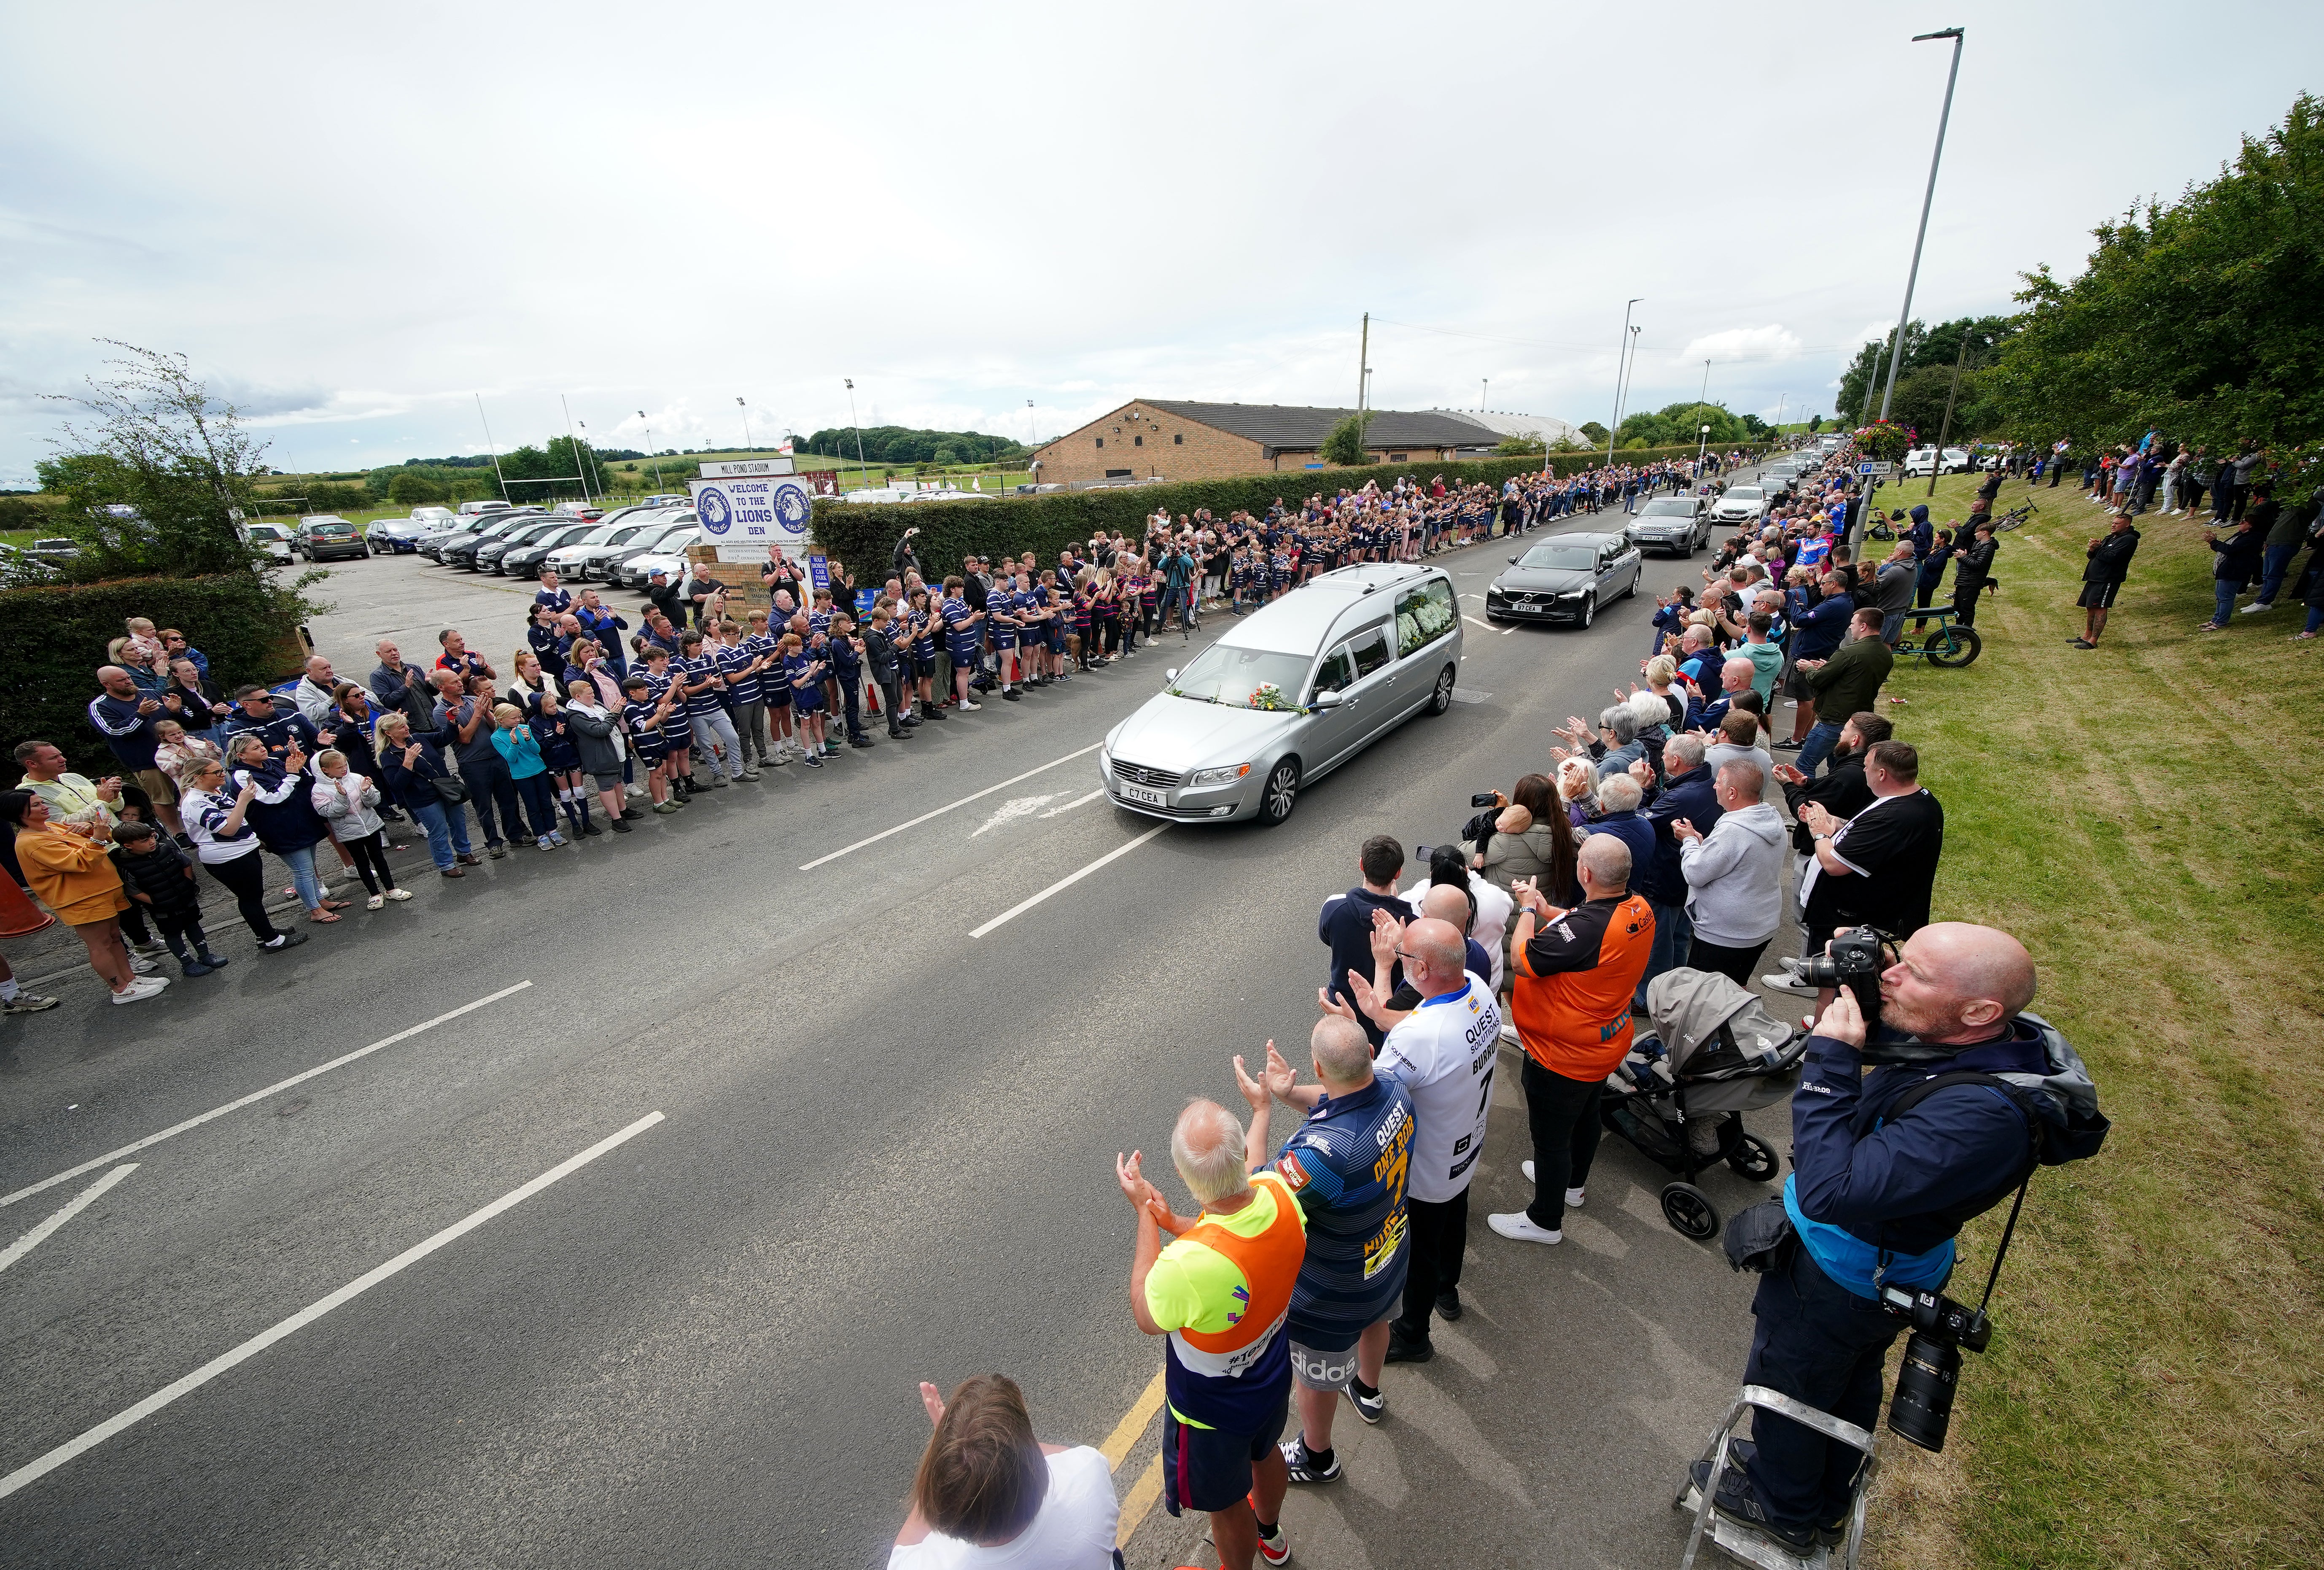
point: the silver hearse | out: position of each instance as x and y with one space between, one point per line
1290 694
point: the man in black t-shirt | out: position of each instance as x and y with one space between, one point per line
1877 868
2102 577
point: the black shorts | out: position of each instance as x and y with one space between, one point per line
1209 1469
2099 597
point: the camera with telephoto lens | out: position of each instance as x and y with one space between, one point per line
1854 960
1923 1407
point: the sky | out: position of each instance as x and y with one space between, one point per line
377 229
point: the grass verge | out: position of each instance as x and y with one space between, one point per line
2147 818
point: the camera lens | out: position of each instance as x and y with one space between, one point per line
1923 1407
1819 971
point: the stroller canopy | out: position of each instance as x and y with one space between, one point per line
1687 1007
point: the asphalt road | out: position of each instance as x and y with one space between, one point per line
883 1154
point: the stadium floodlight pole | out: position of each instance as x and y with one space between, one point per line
1622 349
574 443
1624 377
1484 391
492 447
1896 350
864 469
746 423
652 457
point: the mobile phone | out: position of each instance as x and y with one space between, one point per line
1485 798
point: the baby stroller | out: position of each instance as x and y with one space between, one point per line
1715 1054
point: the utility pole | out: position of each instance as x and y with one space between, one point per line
1946 429
1484 391
573 445
1621 354
1623 379
1927 197
1363 368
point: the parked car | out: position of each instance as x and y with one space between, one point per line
1740 505
541 526
1678 524
476 509
587 509
1566 578
327 537
648 540
462 552
524 558
1923 461
395 536
585 558
20 567
55 552
668 554
269 537
1287 695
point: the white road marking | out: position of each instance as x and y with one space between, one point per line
1067 882
939 812
39 1235
33 1471
1020 807
1076 801
174 1130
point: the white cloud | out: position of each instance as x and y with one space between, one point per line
1745 344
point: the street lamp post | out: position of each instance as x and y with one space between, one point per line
1484 391
1896 351
1622 347
746 424
652 456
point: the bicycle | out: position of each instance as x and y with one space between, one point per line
2014 517
1951 645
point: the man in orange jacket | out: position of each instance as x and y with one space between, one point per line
1573 973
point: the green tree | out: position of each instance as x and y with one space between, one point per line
2197 317
154 472
1345 447
1815 423
1595 431
1520 447
412 488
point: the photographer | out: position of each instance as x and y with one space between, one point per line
1884 1174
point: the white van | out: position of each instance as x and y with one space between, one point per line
1923 461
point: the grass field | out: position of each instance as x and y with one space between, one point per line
2148 817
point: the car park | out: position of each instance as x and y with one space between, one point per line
1739 505
1925 461
524 558
462 552
586 557
1678 524
667 555
326 537
1288 694
395 536
1566 577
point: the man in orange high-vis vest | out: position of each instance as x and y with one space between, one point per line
1221 1292
1570 995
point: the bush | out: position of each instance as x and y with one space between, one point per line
331 498
864 534
53 638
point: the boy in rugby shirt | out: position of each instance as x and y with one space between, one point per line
643 715
705 710
677 725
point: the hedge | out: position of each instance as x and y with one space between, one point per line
864 534
53 638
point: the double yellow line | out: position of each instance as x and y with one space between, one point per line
1139 1500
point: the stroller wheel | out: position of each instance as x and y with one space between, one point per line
1755 1158
1689 1211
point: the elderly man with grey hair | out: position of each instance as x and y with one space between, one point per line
1221 1292
315 694
1615 745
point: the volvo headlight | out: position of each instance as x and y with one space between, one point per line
1104 759
1226 776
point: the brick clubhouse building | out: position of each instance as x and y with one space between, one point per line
1152 437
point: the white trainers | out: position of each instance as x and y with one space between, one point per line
1519 1227
1784 980
2256 606
1573 1195
138 991
1510 1032
141 964
376 902
399 894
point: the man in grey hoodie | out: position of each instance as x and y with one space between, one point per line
1734 875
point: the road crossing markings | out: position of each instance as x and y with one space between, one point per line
1067 882
174 1130
947 807
82 1201
33 1471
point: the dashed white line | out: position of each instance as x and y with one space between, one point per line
1067 882
81 1201
33 1471
174 1130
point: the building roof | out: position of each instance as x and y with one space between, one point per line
1296 427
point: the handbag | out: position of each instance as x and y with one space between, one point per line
1762 1240
450 787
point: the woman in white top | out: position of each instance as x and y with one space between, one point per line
216 818
989 1494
